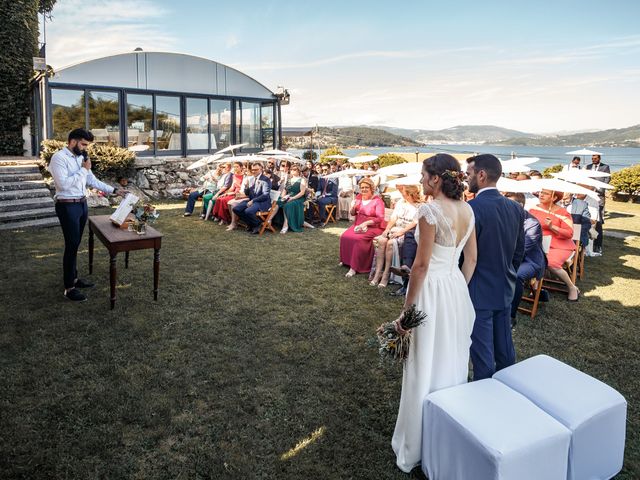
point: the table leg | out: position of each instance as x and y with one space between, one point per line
156 272
126 259
91 241
112 278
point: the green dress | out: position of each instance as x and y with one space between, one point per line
294 209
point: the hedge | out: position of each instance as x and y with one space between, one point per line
626 181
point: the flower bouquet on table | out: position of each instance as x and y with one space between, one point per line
394 338
144 213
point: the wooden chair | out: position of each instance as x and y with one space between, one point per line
571 265
264 216
330 209
535 300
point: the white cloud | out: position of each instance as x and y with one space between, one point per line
232 41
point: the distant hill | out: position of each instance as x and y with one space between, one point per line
616 137
345 137
460 134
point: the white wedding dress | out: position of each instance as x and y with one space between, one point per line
439 353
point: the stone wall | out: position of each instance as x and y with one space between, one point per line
165 177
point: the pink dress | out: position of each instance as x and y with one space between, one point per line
356 249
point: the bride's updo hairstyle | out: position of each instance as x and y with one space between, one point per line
448 169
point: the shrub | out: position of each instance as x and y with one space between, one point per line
387 159
626 181
546 173
106 160
330 151
310 155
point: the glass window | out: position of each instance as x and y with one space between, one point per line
168 123
266 122
238 110
104 117
67 112
251 124
197 124
220 122
140 120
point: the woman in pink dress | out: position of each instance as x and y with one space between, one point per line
221 207
356 243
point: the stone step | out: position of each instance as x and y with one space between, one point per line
28 185
30 193
15 169
19 177
40 222
26 204
31 214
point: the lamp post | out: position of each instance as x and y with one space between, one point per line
417 153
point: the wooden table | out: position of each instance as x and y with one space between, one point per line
120 240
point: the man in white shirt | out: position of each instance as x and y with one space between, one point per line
71 171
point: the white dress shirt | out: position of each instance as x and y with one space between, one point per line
485 189
70 178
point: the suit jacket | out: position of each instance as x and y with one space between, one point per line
332 187
259 191
601 167
500 238
533 252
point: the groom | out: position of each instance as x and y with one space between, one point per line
500 238
259 200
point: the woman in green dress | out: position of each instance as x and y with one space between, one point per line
292 202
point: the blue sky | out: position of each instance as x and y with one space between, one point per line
541 66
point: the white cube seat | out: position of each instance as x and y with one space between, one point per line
484 430
594 412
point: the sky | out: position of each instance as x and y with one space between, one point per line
538 67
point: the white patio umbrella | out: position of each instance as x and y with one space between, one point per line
242 158
411 168
205 161
415 179
337 157
583 152
231 148
518 164
290 158
273 152
363 159
577 176
510 185
349 172
556 185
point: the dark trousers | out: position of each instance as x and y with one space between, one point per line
322 203
73 218
597 243
191 201
248 214
526 271
491 343
409 248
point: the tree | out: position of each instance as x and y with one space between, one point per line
18 46
387 159
310 155
546 173
627 181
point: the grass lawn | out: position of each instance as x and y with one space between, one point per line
253 363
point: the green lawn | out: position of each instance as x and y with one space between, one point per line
253 363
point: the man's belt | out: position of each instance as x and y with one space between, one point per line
71 200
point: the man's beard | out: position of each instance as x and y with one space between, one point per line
473 186
77 150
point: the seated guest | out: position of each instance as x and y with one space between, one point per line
258 193
221 207
579 210
356 243
240 196
209 181
533 263
224 183
345 197
216 179
292 202
556 221
327 193
402 221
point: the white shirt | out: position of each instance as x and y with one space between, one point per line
70 178
485 189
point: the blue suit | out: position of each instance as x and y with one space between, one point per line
534 261
258 190
500 239
328 188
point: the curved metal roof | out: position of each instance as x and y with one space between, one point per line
164 71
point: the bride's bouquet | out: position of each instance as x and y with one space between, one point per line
394 338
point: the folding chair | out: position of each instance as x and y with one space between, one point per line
546 243
264 216
329 208
571 265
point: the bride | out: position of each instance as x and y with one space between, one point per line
439 353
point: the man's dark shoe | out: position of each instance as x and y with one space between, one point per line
80 283
544 295
399 293
255 231
75 295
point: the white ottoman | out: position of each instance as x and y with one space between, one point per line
486 431
594 412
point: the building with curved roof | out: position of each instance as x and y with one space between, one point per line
159 103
